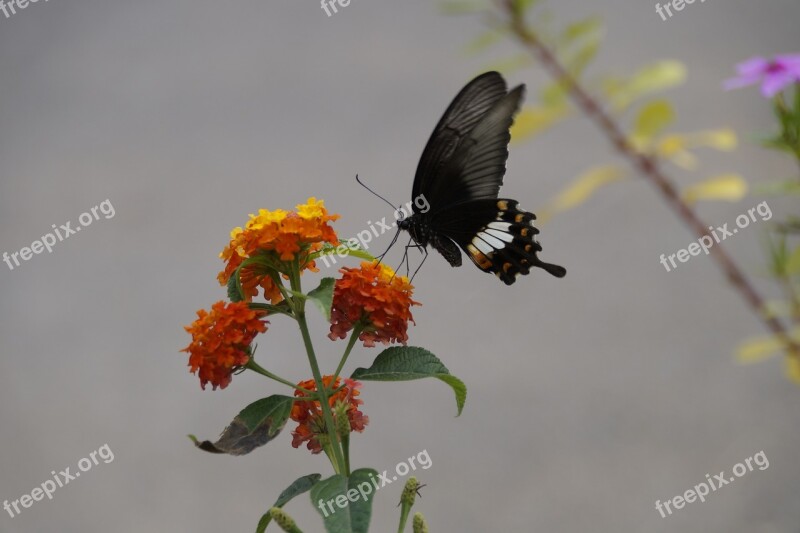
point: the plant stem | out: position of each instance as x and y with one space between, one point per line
274 309
255 367
338 462
648 166
357 329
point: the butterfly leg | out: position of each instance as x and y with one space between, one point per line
394 240
411 244
424 249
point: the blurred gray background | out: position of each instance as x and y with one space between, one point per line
589 397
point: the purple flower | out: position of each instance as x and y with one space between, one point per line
774 75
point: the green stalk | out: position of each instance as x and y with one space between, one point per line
339 465
273 309
357 329
255 367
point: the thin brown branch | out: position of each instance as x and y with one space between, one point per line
648 166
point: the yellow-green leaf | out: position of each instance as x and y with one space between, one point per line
462 7
776 308
580 29
793 264
758 349
553 95
483 41
524 5
723 139
793 369
670 145
581 189
730 187
579 43
511 64
577 59
652 119
532 120
657 77
673 148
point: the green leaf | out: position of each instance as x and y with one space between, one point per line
234 289
405 363
322 296
778 255
778 188
522 6
298 487
254 426
348 247
345 504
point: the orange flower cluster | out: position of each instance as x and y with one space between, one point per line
221 341
278 236
309 413
376 297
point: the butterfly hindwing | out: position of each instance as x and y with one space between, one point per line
496 235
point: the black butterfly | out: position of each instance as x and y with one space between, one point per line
459 177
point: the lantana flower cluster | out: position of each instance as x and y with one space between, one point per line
370 301
221 341
376 299
311 426
271 237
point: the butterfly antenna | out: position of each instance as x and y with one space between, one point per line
373 192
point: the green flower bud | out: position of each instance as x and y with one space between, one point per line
342 421
410 492
419 523
285 521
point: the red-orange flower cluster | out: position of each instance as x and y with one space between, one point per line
278 236
376 297
221 341
309 413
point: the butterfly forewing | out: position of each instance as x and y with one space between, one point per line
463 114
476 169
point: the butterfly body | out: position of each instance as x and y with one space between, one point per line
421 231
459 176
